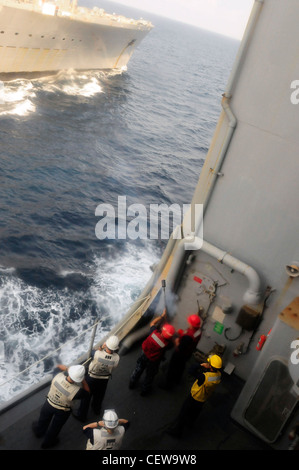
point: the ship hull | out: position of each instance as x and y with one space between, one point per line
36 44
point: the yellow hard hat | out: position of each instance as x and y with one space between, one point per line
215 361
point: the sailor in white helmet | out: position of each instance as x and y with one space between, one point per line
104 360
106 434
67 385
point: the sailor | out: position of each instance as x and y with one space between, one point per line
67 385
185 344
106 434
208 376
104 360
153 351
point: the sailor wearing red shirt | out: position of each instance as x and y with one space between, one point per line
153 350
185 345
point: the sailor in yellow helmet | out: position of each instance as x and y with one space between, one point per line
208 376
201 391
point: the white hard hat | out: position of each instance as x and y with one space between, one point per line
110 419
112 343
76 373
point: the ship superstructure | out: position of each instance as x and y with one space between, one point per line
44 37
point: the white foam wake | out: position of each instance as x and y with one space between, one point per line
16 98
72 83
20 97
36 322
120 279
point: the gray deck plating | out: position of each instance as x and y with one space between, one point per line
149 417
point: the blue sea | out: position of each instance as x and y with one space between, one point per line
73 141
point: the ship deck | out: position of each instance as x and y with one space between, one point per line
149 417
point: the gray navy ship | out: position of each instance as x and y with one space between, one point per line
43 37
236 265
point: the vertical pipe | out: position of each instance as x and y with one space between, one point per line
92 339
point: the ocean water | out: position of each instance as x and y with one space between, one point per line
76 140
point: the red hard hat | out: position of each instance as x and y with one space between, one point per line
168 330
194 320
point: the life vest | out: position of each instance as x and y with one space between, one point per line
103 440
153 346
202 392
62 392
103 364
